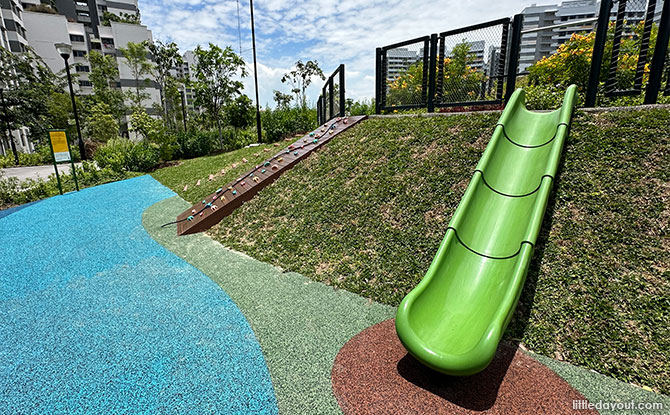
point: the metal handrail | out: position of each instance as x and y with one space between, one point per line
557 26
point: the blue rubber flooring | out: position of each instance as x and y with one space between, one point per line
96 317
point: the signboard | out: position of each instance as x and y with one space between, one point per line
59 145
60 149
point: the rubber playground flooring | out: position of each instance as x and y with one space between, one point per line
302 325
97 317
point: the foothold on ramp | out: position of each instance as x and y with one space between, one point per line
295 153
190 218
219 190
234 192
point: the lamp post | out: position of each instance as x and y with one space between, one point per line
65 50
183 109
6 118
253 44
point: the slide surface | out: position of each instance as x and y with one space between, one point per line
452 321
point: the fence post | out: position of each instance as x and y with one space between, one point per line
331 98
424 79
598 50
342 96
660 53
513 62
378 81
431 72
324 105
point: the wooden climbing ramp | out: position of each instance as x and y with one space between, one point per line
225 200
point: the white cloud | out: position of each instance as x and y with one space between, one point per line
331 32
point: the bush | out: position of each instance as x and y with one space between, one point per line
41 156
285 122
122 154
196 144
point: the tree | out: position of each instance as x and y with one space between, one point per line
108 17
571 62
104 75
215 85
240 113
461 80
136 55
301 77
100 124
31 88
283 100
166 57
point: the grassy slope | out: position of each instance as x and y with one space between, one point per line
367 213
188 172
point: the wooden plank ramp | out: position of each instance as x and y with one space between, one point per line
207 213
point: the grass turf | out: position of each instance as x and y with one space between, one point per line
188 172
367 213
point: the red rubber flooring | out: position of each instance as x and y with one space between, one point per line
373 374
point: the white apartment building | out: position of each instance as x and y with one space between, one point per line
12 38
536 45
79 23
44 30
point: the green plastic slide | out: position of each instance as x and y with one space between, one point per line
452 321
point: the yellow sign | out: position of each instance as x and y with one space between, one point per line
59 145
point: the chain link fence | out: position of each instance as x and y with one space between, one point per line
471 64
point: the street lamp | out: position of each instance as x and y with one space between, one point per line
6 117
65 50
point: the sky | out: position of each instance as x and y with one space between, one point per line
330 32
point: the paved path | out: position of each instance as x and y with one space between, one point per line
34 172
96 317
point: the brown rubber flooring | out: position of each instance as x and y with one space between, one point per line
373 374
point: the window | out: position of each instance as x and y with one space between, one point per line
85 83
96 45
81 3
83 14
102 8
76 38
83 68
79 53
107 42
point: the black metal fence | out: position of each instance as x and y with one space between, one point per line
479 65
331 102
461 67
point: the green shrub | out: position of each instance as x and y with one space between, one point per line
41 156
122 154
196 144
285 122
